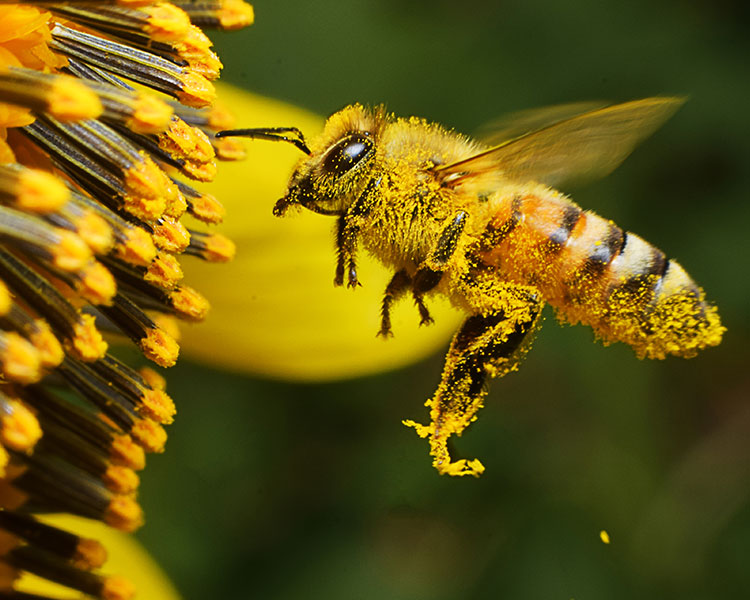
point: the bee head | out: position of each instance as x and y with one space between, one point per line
338 167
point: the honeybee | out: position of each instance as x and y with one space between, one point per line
485 227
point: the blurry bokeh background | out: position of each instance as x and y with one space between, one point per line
283 491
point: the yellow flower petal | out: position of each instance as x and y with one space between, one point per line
274 309
125 557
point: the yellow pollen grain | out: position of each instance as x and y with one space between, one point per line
71 100
19 428
96 232
604 536
160 347
115 587
197 91
90 554
171 235
189 303
207 208
150 115
166 22
87 343
158 406
40 192
165 271
50 350
97 284
120 480
137 248
126 452
124 514
20 360
149 435
219 248
235 14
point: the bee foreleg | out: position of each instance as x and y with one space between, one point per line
347 234
346 246
399 283
486 346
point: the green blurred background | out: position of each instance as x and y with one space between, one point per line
285 491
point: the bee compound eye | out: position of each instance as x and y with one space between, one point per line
347 153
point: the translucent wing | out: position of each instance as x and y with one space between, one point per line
584 146
521 122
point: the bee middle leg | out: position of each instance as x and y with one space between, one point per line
396 288
486 346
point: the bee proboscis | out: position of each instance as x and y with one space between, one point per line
483 226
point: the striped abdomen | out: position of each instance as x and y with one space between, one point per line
595 273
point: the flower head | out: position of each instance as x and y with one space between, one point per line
105 110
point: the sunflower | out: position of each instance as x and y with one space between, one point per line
106 111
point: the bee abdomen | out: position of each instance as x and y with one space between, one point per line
595 273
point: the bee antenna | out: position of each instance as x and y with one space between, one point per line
274 134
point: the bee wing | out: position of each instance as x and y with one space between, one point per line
521 122
584 146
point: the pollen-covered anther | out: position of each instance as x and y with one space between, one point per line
124 451
71 100
196 90
147 193
189 303
150 115
96 284
165 271
87 343
176 205
135 247
154 379
124 513
160 347
31 190
120 480
213 248
115 587
227 14
171 235
166 22
64 97
19 428
19 360
185 142
149 435
228 148
49 347
95 231
71 253
158 406
207 209
89 554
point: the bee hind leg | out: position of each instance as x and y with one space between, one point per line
485 346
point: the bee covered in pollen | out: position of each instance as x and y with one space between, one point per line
485 227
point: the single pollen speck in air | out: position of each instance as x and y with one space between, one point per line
604 536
